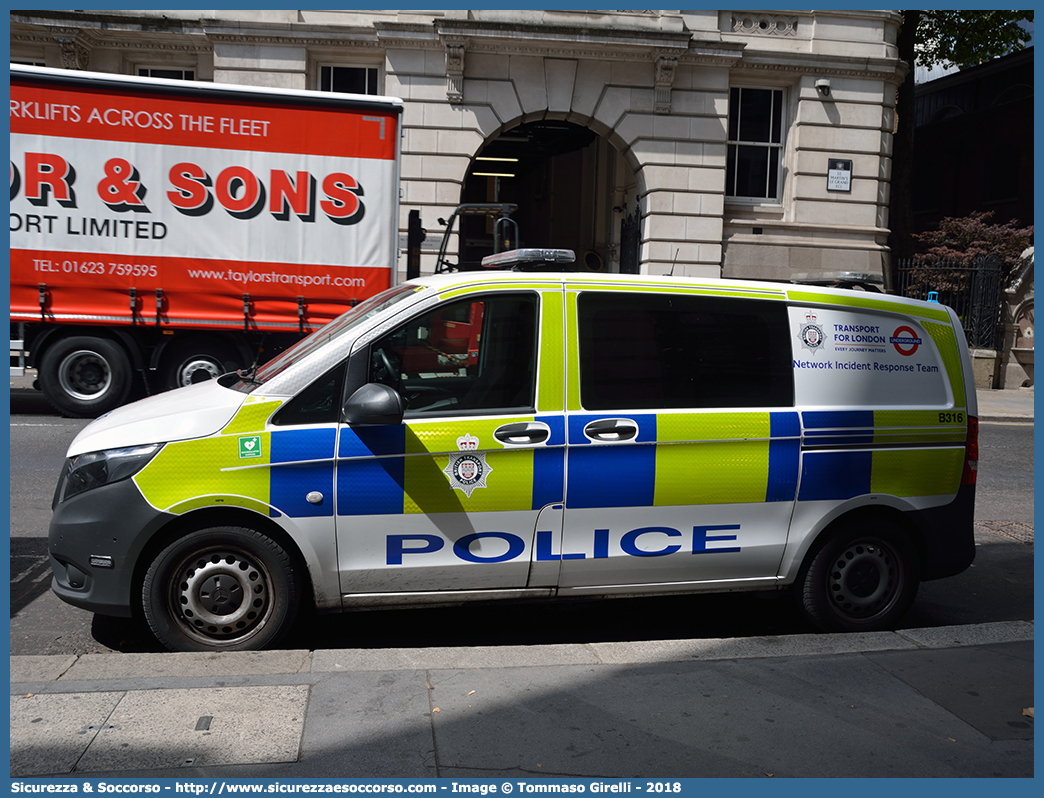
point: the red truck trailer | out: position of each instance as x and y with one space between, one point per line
164 232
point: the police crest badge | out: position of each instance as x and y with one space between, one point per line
811 334
467 470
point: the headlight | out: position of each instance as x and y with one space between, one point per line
94 469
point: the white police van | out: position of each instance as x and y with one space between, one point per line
516 435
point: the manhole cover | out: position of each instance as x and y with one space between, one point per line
1010 530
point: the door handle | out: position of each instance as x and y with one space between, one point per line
524 433
611 430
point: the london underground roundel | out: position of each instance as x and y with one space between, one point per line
905 341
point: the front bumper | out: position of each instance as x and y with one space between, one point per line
95 542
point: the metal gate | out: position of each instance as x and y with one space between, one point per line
971 288
630 232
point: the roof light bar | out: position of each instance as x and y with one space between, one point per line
529 259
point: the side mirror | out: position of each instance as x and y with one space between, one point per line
373 404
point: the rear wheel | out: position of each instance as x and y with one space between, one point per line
221 589
83 377
863 579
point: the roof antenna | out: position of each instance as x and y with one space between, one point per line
676 251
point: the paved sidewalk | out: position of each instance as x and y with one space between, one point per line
943 702
1008 405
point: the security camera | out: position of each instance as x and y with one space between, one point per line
823 87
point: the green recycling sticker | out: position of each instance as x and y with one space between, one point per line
250 447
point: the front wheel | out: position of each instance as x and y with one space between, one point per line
221 589
863 579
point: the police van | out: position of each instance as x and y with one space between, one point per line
519 434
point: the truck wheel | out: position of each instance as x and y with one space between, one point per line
83 377
863 579
221 589
197 360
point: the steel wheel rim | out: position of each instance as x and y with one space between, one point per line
190 373
865 579
221 595
84 374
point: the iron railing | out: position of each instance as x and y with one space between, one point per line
972 288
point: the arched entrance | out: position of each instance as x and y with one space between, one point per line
573 190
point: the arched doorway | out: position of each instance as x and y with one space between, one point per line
571 186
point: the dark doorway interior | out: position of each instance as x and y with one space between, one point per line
547 169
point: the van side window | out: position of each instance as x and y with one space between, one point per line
477 353
647 351
319 403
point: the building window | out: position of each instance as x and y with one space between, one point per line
755 144
169 74
349 79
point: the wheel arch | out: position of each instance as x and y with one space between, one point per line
885 508
205 517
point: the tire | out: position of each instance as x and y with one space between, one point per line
84 377
196 360
221 589
863 579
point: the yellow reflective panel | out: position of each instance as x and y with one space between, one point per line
188 469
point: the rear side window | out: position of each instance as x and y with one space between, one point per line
647 351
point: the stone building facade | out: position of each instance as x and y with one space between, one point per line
707 143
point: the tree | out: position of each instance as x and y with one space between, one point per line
975 235
964 38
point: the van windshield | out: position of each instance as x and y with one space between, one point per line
248 383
